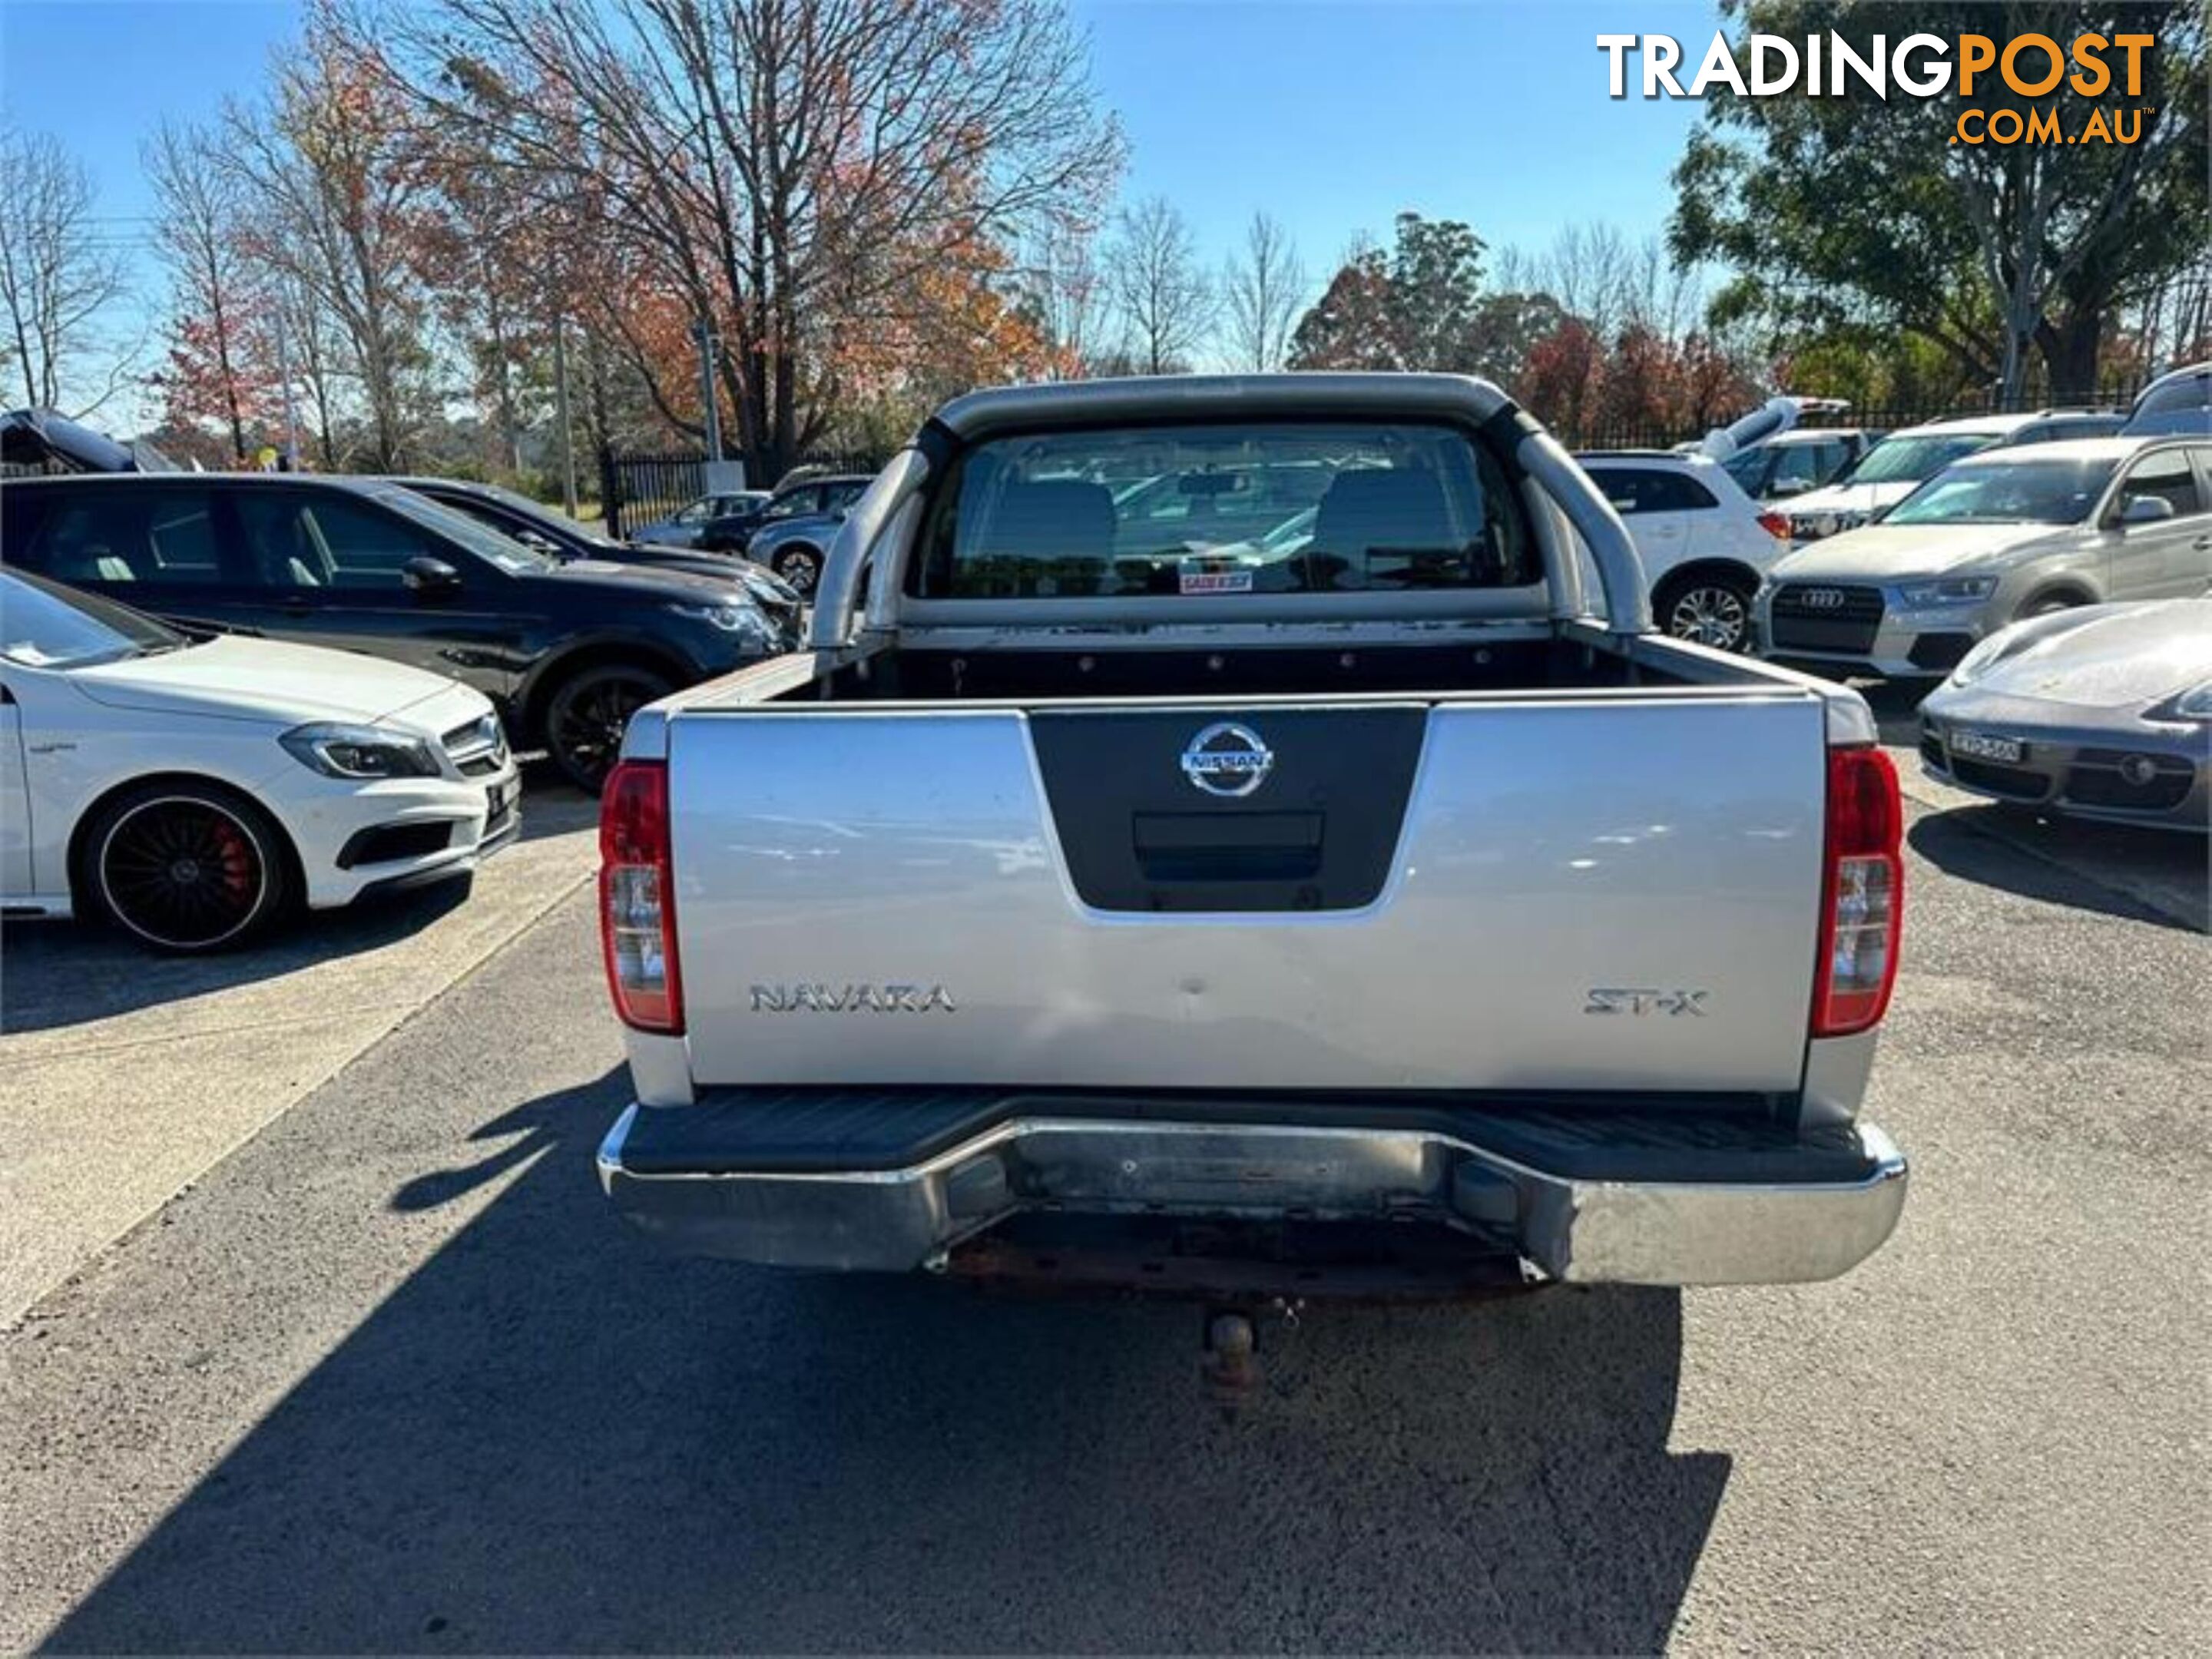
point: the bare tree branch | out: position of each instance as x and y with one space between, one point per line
56 279
1264 289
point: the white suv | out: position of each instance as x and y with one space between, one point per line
1705 544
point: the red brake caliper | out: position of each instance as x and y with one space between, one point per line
237 857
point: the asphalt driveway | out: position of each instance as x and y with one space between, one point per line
388 1378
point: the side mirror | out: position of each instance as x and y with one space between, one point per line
2145 509
430 579
1781 487
537 543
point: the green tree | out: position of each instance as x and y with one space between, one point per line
1416 306
1856 213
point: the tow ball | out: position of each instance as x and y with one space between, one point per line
1229 1366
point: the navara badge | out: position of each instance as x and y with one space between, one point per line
1227 759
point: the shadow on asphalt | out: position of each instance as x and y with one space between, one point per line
54 975
551 806
2083 864
551 1438
1896 706
57 974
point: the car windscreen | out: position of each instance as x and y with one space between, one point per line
1224 508
508 554
46 625
2007 492
1908 461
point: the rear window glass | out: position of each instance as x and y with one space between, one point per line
1635 490
106 532
1218 510
2182 394
1748 468
2184 406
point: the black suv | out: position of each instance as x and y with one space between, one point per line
567 650
535 525
815 496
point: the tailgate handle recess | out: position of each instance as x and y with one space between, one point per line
1211 847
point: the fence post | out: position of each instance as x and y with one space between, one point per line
610 492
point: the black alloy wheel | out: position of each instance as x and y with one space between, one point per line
186 869
587 715
801 567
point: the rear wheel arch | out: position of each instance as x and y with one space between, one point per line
1707 568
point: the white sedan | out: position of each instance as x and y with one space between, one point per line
192 790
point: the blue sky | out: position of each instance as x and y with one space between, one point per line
1331 114
1336 114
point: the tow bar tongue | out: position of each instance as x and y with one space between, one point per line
1229 1367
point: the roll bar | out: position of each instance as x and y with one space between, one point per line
1461 399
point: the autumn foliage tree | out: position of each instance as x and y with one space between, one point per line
1623 356
1411 307
345 200
221 370
799 173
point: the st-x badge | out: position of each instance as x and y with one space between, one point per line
1227 759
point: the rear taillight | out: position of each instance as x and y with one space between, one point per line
1776 524
637 898
1862 895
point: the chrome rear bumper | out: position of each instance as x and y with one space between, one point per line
1666 1231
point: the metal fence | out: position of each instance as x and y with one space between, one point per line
637 488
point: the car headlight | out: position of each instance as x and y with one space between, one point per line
742 620
2194 704
1953 590
358 751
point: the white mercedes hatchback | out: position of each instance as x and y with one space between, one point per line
192 790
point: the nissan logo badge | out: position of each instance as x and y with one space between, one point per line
1227 759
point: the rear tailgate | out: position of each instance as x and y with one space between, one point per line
1615 893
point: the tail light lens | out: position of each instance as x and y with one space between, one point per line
1862 897
1776 524
637 898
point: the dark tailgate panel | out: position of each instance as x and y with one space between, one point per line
1319 835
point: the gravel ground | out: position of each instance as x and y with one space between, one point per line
388 1378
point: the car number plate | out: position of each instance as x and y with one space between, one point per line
1982 745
